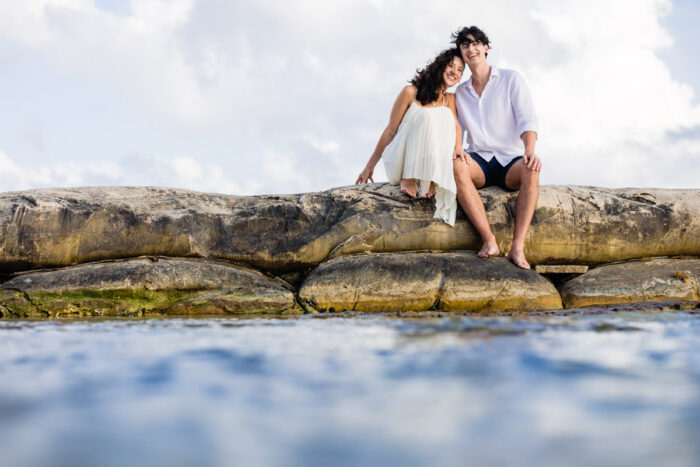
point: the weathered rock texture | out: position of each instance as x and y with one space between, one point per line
657 280
59 227
145 285
388 282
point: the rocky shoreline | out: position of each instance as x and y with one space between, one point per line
129 251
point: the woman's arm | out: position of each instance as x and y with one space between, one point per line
459 147
403 101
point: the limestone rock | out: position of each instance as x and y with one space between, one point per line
145 285
656 280
560 269
389 282
292 233
14 304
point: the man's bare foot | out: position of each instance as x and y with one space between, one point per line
490 248
408 186
517 257
431 191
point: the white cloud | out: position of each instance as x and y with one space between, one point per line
177 172
181 172
14 176
137 53
326 147
609 105
284 173
309 84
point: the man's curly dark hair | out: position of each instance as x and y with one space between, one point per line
429 81
460 37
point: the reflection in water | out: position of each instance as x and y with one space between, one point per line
595 388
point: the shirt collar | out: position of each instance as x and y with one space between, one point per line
494 74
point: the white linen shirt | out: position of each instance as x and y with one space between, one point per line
495 121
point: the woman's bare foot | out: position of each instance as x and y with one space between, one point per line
408 186
431 191
490 248
517 257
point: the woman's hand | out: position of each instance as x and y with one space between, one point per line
365 175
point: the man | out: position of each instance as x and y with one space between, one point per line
495 108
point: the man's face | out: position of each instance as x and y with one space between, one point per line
473 51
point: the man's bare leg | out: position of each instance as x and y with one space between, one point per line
519 176
468 178
408 186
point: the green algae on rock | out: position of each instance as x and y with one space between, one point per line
451 281
14 304
292 233
655 280
145 285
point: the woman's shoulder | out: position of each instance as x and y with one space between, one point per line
409 91
406 96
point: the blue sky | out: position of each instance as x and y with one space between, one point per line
683 23
271 96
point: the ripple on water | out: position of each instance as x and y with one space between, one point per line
229 360
582 387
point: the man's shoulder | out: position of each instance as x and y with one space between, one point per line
512 77
511 80
509 74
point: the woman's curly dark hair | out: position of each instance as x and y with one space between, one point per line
428 81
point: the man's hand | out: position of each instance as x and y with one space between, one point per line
365 175
532 162
460 154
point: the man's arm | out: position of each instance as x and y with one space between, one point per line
531 160
526 120
523 109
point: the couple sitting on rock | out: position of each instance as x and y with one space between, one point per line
422 144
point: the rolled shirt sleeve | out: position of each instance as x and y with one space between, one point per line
523 109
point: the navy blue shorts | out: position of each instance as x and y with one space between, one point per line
494 172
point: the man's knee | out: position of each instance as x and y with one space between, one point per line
520 177
461 172
529 177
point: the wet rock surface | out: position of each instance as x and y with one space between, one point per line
357 247
292 233
654 280
453 281
143 286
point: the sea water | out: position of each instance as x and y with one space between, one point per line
593 387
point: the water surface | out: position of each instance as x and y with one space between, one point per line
596 388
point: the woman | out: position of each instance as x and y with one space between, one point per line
422 135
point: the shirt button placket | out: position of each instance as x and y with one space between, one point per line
481 120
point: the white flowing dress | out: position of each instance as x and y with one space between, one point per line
422 149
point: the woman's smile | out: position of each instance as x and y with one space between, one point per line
453 71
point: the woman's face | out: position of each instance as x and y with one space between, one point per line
453 72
